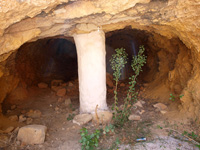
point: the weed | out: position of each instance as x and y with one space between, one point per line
118 61
173 97
70 117
159 127
89 141
109 128
192 134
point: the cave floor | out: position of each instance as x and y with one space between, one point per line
162 131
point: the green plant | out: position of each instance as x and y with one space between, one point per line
89 141
118 61
172 97
109 128
192 134
159 127
70 117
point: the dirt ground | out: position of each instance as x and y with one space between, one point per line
162 131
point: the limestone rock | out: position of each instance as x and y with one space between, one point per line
32 134
104 117
61 92
163 112
22 118
134 117
141 112
34 113
160 106
42 85
70 84
82 119
138 104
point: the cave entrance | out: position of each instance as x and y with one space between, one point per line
168 66
48 73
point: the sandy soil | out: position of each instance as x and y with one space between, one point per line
162 131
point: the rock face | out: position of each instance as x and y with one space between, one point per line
172 24
32 134
82 119
104 117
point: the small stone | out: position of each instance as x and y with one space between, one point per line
9 129
8 111
68 102
142 102
42 85
13 118
122 85
34 114
163 112
141 112
160 106
29 121
138 104
82 119
60 99
70 84
13 107
56 109
134 117
104 117
61 92
22 118
32 134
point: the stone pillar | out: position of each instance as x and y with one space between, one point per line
91 70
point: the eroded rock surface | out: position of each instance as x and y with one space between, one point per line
24 21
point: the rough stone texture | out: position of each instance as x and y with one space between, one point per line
32 134
82 119
25 21
160 106
104 117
